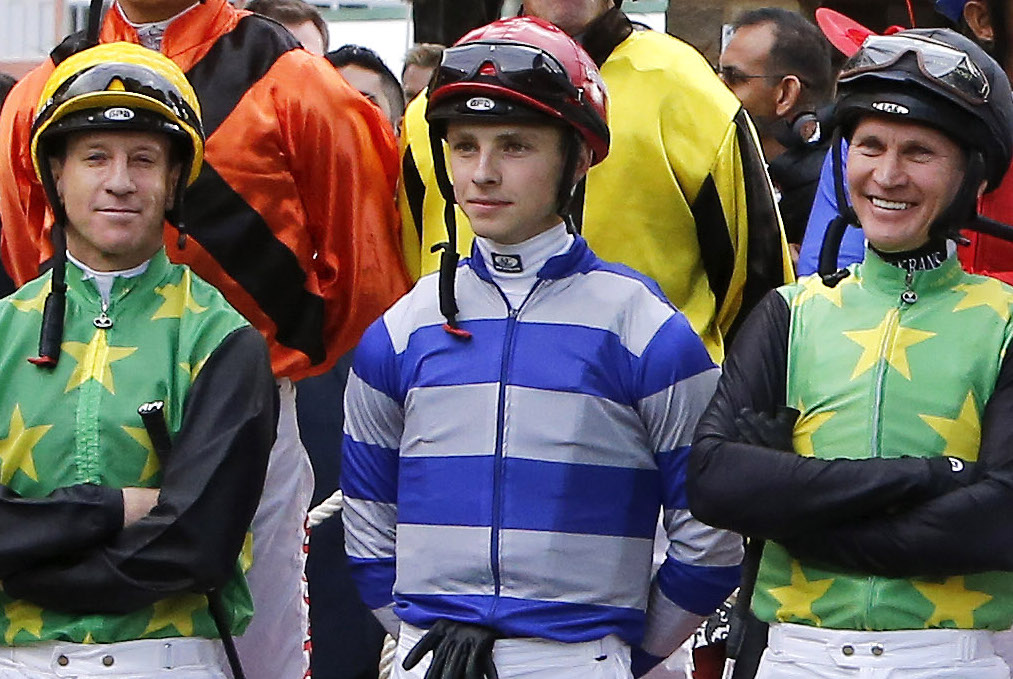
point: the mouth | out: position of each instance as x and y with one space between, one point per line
893 205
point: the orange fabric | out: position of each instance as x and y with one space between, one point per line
989 255
313 157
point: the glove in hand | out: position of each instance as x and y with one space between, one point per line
460 651
761 429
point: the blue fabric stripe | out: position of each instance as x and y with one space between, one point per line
575 498
446 491
368 472
674 354
673 464
698 589
376 364
374 579
569 623
435 358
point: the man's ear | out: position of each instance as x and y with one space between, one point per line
583 162
173 180
979 20
981 188
56 169
788 92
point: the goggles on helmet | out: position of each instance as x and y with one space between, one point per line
522 68
946 66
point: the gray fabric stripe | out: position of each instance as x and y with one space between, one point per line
572 568
671 414
668 624
606 301
575 428
433 417
370 528
443 560
371 416
697 544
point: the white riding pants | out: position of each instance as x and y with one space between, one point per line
149 658
607 658
803 652
275 645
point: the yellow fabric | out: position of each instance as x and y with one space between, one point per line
672 125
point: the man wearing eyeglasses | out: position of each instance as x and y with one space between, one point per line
778 65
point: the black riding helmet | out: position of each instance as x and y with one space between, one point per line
934 77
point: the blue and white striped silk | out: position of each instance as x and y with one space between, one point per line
515 479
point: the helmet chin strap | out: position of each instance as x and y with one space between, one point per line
831 247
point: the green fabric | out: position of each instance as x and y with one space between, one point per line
78 423
875 376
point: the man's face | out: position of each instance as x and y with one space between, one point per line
573 16
115 188
506 177
309 36
149 11
370 85
901 176
744 58
415 79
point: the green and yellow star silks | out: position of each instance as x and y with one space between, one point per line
875 375
78 422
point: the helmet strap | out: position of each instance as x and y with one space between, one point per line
831 247
448 249
51 332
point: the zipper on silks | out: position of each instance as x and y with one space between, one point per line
907 298
498 462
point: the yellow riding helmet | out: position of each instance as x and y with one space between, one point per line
119 86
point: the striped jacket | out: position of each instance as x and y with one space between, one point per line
515 479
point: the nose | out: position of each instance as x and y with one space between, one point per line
118 179
486 169
889 170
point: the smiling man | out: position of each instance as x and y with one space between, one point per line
884 505
505 464
121 530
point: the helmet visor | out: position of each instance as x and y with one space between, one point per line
524 69
950 68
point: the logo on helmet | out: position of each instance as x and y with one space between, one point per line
118 113
890 107
480 104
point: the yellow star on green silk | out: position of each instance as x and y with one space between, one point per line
151 464
989 292
94 361
16 449
194 370
874 345
177 297
816 288
963 434
177 612
805 427
953 602
797 599
37 303
22 616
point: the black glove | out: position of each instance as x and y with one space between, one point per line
761 429
460 651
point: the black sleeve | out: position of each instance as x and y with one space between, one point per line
69 519
211 485
966 531
766 493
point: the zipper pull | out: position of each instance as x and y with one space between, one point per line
909 296
102 321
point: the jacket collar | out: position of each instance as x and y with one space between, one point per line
605 33
188 38
876 274
578 259
158 268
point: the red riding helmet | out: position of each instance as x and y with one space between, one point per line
517 66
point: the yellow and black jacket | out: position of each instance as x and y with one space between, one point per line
292 217
683 195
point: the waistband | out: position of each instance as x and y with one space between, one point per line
525 651
144 655
850 648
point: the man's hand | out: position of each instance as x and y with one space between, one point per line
137 502
761 429
460 651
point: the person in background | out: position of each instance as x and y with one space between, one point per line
302 19
419 63
778 64
292 218
365 71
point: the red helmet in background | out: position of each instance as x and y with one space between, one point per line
522 68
